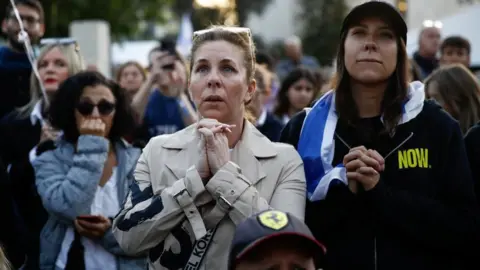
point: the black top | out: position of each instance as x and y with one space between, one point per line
17 137
11 231
15 73
271 128
421 215
472 144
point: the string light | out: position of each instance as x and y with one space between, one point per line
25 39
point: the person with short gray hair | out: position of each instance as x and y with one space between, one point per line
295 57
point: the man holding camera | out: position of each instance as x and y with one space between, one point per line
162 103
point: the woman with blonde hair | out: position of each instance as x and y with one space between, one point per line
457 90
193 187
25 128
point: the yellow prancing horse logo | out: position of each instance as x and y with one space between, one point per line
273 219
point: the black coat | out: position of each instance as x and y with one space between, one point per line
17 137
421 215
15 73
271 128
11 227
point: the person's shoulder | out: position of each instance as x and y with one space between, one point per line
273 119
311 60
473 135
53 152
291 132
176 140
436 117
15 120
295 123
3 50
286 153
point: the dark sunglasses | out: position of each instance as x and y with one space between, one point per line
104 107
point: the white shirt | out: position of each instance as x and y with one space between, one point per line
105 203
35 116
285 119
263 117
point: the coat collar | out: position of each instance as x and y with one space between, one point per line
252 146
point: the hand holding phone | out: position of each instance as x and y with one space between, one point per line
92 226
90 218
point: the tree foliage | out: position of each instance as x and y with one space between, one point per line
123 15
321 23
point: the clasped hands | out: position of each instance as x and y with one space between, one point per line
213 147
363 167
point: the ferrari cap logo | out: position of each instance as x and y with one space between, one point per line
275 220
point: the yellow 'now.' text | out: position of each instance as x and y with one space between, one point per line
413 158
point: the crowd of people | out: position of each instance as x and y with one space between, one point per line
228 159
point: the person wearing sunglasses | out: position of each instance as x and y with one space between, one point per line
194 186
83 182
388 181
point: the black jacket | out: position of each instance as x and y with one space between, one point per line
17 137
421 215
472 144
11 227
271 128
15 73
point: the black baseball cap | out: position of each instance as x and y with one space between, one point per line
377 9
268 225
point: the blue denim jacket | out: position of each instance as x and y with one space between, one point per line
67 181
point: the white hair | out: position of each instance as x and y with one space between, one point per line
293 40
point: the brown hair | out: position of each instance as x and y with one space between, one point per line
241 39
456 42
33 4
394 96
119 72
460 91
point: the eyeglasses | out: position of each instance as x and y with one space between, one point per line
238 30
104 107
59 41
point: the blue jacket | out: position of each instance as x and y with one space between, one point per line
66 183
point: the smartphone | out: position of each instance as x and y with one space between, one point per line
170 47
90 218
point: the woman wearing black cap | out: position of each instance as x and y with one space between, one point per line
387 175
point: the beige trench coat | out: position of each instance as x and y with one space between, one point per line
169 207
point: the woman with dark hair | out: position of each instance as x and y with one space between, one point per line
387 174
83 181
296 92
